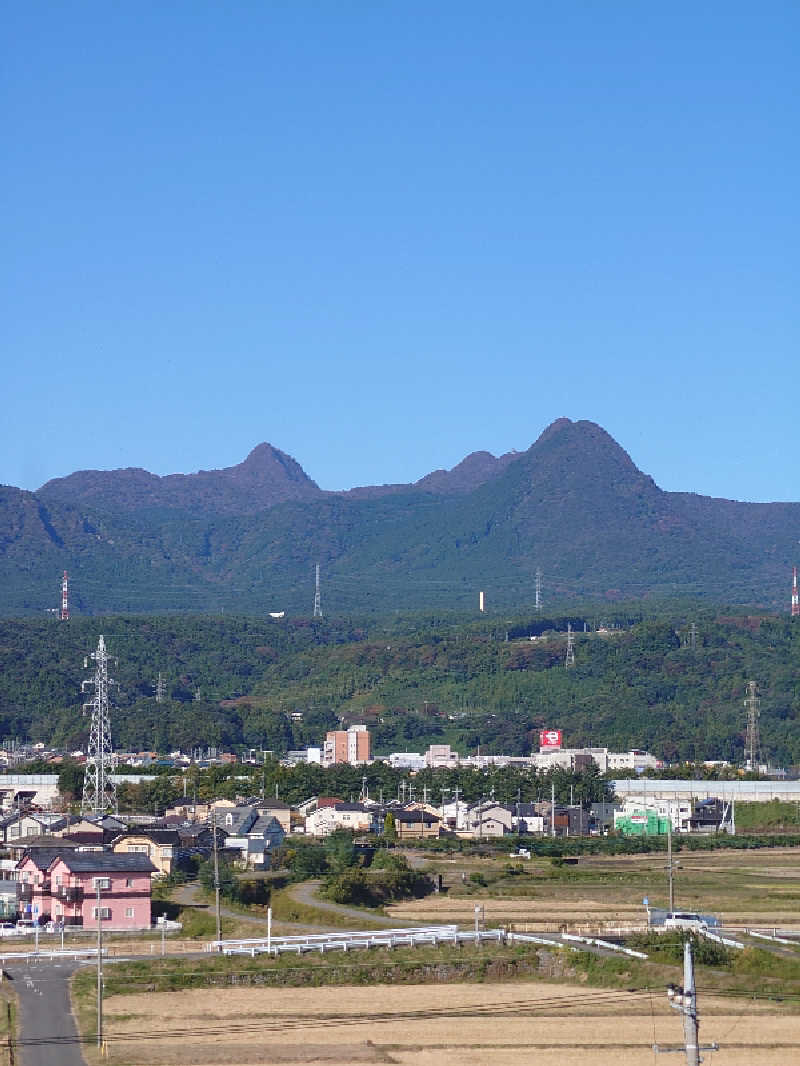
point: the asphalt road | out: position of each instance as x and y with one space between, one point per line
46 1032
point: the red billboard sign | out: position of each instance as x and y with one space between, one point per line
549 738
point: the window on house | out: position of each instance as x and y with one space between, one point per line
58 879
129 882
102 912
139 849
166 853
129 912
103 883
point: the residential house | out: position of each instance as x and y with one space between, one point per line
357 817
526 818
251 836
87 885
31 871
31 823
489 820
455 816
161 846
281 812
416 824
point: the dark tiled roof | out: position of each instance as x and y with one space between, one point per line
42 857
412 817
158 836
106 862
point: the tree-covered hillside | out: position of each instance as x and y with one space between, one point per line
414 680
574 505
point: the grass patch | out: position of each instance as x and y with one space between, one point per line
285 908
364 967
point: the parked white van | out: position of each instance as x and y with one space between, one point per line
685 920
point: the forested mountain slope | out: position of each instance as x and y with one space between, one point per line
414 681
247 538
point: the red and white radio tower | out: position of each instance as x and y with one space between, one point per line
795 599
64 598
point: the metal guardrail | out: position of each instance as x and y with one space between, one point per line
773 937
79 953
607 944
530 938
720 939
342 941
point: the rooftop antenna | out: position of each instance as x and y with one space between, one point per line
99 790
538 601
752 744
317 598
64 616
569 659
795 599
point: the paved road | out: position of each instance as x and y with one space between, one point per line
46 1032
306 892
188 895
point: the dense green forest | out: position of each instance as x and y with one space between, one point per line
415 680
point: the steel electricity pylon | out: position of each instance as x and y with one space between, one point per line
99 790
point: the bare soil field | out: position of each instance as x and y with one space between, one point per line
434 1025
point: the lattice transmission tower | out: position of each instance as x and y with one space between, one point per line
99 790
752 743
64 615
160 685
317 597
569 658
538 587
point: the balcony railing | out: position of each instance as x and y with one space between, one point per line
25 891
69 894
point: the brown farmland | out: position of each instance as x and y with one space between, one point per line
433 1025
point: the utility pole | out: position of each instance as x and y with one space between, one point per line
216 876
752 744
99 967
685 1000
670 867
552 808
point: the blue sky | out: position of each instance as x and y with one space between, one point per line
381 236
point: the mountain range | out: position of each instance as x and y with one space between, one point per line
247 537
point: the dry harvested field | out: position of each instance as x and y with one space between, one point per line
758 888
433 1025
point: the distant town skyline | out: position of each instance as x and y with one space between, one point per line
380 248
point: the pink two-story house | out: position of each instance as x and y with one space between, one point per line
70 886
